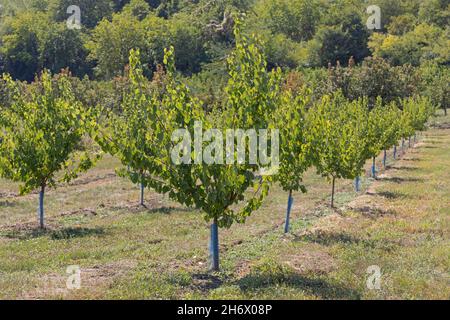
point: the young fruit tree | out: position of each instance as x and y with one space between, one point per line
42 136
391 117
434 84
418 110
383 130
295 144
338 131
415 113
218 180
124 133
217 186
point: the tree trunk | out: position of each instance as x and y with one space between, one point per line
384 159
395 152
288 212
332 192
41 207
357 184
374 170
214 247
141 200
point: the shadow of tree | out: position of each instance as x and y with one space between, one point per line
137 208
412 159
206 281
7 204
168 210
389 195
400 180
314 286
20 235
373 212
328 238
403 168
54 234
440 126
70 233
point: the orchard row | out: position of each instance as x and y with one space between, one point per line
42 135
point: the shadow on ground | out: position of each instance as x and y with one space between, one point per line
412 159
149 209
400 180
70 233
427 147
54 234
7 204
312 286
373 212
389 195
328 238
402 168
168 210
206 281
331 238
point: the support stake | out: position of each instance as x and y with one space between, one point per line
374 170
141 201
332 192
41 207
214 247
288 211
357 184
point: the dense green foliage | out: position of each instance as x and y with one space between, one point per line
41 135
331 119
408 55
384 127
296 33
142 136
416 112
295 144
338 130
125 135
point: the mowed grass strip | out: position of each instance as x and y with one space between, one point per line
160 252
400 226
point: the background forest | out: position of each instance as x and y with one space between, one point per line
299 35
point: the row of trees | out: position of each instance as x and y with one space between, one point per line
42 135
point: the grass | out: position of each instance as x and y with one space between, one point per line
399 223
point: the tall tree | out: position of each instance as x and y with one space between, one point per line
296 19
434 80
20 45
61 47
92 12
111 42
